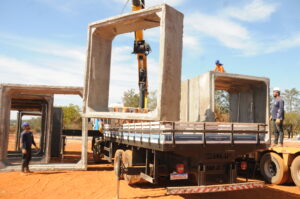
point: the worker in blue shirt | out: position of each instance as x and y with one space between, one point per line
278 116
26 140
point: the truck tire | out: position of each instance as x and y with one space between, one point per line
127 160
295 170
116 160
97 153
272 168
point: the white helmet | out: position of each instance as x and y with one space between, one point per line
276 89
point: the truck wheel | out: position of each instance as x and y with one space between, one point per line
127 160
119 153
273 169
295 171
97 153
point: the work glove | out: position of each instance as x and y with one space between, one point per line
278 121
24 151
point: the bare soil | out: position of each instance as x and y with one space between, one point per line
99 182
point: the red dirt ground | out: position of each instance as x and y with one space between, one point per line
99 182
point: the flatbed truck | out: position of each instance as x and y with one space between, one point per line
203 152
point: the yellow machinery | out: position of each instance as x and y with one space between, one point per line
141 49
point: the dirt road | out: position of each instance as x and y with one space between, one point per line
99 182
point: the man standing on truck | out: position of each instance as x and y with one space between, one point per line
27 140
278 116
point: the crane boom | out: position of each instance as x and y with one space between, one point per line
141 49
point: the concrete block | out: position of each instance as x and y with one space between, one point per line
97 77
248 97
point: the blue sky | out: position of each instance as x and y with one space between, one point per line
44 41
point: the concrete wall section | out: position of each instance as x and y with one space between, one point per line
194 99
171 32
4 124
29 98
248 97
99 73
57 127
97 77
184 101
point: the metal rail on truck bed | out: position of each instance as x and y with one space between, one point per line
164 136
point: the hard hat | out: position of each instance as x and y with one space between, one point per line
218 62
276 89
25 124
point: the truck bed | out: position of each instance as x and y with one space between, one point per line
165 136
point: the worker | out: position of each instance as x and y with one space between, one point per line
27 140
277 117
219 67
289 130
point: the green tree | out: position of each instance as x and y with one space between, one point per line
72 117
222 101
293 119
152 100
291 97
130 98
221 106
36 123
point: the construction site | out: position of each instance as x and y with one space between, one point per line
183 147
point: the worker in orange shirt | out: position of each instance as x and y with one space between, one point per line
219 67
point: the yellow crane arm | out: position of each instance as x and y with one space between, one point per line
141 49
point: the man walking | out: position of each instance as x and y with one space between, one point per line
278 116
27 140
289 130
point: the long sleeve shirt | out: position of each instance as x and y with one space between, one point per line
27 140
219 69
278 108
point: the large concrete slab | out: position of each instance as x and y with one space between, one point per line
97 77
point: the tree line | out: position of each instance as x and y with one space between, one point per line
291 98
292 109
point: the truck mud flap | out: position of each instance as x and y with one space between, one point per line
214 188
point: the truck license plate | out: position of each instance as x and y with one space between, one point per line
178 176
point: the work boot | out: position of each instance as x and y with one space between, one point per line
280 145
27 170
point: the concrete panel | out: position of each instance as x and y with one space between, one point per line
194 98
4 124
184 101
57 126
97 75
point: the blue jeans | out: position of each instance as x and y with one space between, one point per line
278 132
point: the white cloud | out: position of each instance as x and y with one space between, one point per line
124 73
64 65
283 44
45 47
229 33
256 10
16 71
191 44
